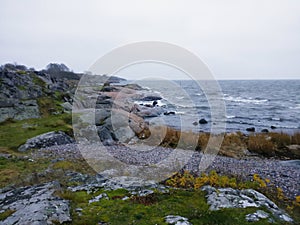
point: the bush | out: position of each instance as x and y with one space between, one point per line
261 144
281 139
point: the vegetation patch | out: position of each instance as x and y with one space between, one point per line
20 172
233 145
187 203
6 214
13 134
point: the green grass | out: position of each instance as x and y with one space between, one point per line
6 214
12 133
152 209
49 106
16 171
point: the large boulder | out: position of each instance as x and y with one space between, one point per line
144 111
46 140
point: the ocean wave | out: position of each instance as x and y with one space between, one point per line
295 107
159 103
276 119
245 100
230 117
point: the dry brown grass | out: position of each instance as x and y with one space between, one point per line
234 144
296 139
261 144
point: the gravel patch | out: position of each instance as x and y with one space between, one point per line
281 175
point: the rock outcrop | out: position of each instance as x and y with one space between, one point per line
46 140
22 88
34 205
231 198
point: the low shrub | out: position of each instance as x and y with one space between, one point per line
261 144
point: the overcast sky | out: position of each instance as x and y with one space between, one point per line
249 39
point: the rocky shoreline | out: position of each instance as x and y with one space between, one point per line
47 206
284 176
111 119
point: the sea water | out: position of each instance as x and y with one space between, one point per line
261 104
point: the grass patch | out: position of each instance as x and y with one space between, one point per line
234 144
261 144
38 81
12 133
20 171
48 106
6 214
152 209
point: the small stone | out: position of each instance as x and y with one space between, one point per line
145 192
99 197
250 129
177 220
203 121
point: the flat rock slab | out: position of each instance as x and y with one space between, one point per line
34 205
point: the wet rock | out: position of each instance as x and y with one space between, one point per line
35 205
169 113
203 121
177 220
195 123
273 127
151 98
265 131
231 198
46 140
250 129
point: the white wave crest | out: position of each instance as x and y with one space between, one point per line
245 100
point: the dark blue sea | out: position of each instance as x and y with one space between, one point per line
252 103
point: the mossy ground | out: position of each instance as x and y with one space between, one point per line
152 209
15 133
